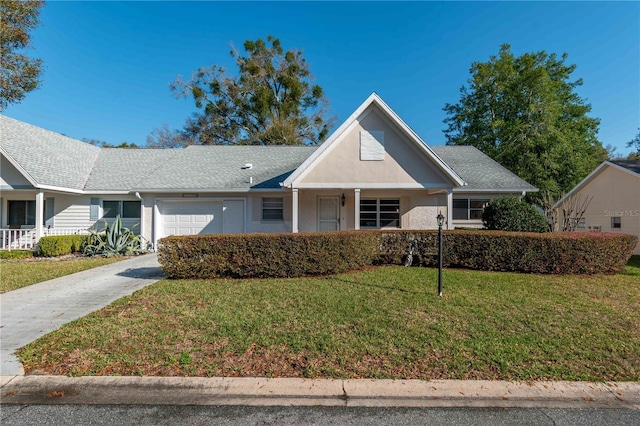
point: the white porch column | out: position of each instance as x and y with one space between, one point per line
39 214
449 208
294 211
356 208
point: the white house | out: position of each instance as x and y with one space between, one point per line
373 172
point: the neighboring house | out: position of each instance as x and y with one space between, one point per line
614 189
373 172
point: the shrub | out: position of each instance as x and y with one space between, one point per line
16 254
513 214
294 255
266 255
113 240
59 245
548 253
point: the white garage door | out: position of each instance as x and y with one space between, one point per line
191 218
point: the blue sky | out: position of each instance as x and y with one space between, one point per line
108 65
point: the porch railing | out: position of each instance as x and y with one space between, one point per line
17 239
25 239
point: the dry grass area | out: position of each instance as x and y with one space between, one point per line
383 322
15 274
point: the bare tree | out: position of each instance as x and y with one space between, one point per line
566 213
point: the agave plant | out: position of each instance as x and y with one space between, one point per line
113 240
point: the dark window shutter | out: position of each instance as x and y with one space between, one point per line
48 212
94 213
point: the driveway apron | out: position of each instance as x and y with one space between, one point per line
31 312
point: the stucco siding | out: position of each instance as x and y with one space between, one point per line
615 194
403 162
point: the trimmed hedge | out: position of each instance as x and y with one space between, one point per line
266 255
548 253
295 255
59 245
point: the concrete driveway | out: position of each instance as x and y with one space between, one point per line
31 312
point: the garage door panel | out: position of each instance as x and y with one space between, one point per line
191 218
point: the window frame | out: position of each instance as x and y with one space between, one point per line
616 224
120 209
380 213
277 205
29 207
468 208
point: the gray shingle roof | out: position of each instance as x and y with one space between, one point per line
48 157
220 167
479 171
56 160
633 165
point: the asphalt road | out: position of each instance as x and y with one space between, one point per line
121 415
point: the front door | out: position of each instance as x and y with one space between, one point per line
328 214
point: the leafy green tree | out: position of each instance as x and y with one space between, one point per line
634 144
103 144
19 74
272 101
513 214
524 113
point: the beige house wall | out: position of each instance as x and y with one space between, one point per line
615 193
403 162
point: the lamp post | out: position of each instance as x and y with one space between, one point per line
440 223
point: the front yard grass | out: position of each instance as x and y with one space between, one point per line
384 322
16 274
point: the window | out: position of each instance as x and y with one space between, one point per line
377 213
468 209
22 212
272 209
616 222
126 209
581 224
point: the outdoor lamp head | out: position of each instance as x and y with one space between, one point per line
440 219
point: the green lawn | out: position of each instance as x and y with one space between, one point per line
383 322
15 274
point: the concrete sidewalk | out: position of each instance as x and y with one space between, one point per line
31 312
308 392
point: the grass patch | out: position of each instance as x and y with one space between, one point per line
384 322
16 274
16 254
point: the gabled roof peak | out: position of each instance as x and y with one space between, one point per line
374 99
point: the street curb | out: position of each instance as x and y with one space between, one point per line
313 392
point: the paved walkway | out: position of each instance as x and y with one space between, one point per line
31 312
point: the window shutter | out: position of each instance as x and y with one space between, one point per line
1 221
372 145
94 212
49 212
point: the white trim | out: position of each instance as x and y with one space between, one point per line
39 214
294 210
18 167
449 209
372 186
356 193
307 165
518 191
592 176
